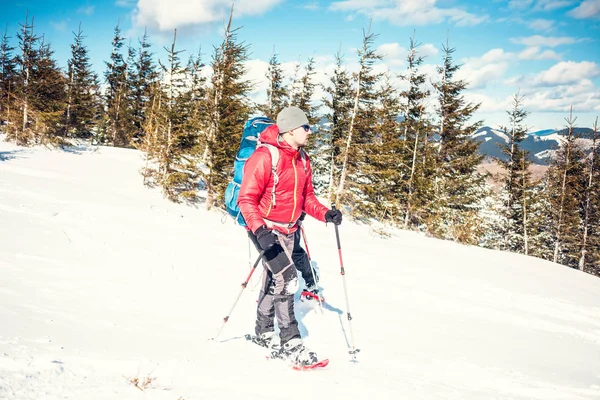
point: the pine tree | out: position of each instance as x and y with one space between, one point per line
19 119
589 260
8 76
194 100
517 179
47 97
117 111
83 103
416 193
458 185
361 130
141 81
294 87
565 188
173 147
306 92
277 96
339 101
383 169
539 221
228 109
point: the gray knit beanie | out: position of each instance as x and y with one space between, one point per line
290 118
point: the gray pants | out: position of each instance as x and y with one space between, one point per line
280 283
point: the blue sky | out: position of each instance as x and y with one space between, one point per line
547 50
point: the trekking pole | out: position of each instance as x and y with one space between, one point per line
312 270
353 350
226 318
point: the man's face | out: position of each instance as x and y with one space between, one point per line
300 135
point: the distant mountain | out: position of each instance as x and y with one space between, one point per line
541 145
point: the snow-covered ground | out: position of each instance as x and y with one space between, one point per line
103 283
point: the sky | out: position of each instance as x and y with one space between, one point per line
103 281
547 51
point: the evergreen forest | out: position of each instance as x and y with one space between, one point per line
383 155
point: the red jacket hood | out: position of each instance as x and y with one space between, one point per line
271 135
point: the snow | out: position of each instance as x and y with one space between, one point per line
553 136
103 283
490 131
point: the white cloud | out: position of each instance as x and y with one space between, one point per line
549 5
582 96
408 12
562 73
391 51
587 9
164 15
539 5
545 41
125 3
59 26
488 68
86 10
428 50
255 72
541 24
488 103
534 53
311 6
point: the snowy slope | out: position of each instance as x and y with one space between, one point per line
102 282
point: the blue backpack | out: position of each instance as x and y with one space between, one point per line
250 142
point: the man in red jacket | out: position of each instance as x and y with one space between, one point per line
271 203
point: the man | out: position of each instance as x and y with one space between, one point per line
271 203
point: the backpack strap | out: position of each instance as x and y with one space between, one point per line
274 160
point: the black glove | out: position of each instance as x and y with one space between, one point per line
334 216
265 237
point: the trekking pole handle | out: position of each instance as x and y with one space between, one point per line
339 246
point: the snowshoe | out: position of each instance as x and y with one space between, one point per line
297 355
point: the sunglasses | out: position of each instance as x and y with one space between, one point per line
305 127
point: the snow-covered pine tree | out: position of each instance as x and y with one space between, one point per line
172 146
141 81
516 181
458 185
361 130
34 90
229 108
117 116
294 86
589 260
193 102
47 97
8 76
83 102
277 91
416 195
566 186
338 101
306 91
384 169
18 128
539 222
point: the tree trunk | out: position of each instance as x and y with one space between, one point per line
413 169
524 182
588 196
349 139
563 190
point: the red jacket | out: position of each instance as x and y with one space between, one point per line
294 192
